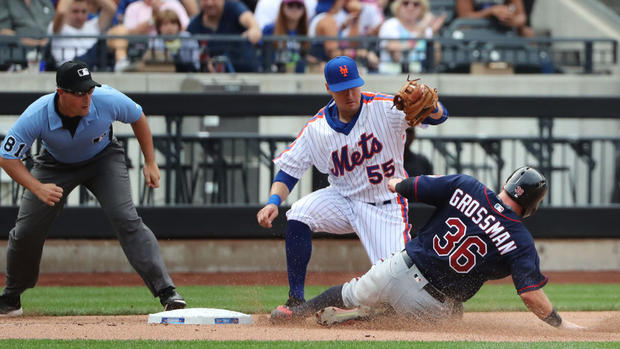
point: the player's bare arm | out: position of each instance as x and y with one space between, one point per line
538 303
142 131
48 193
268 213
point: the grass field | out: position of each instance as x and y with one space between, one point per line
62 301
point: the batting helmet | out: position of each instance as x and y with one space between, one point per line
527 187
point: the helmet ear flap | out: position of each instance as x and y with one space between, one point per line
527 187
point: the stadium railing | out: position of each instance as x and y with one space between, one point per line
455 51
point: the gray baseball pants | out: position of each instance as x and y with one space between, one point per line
106 176
392 282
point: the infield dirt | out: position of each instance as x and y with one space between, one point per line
490 326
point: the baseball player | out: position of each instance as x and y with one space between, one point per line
74 125
357 139
474 235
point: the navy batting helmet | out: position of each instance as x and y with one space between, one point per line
527 187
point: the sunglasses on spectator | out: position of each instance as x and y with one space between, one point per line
297 5
412 3
79 93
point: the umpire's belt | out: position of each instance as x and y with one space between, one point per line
430 289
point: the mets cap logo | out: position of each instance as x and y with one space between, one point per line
344 70
83 72
518 191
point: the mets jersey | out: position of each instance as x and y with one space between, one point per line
472 237
93 133
358 157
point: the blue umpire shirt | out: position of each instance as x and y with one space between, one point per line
40 120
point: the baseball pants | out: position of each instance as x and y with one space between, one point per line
381 228
391 281
106 176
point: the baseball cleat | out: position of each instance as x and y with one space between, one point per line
333 315
10 306
294 301
282 314
171 300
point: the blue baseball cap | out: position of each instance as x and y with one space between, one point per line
341 74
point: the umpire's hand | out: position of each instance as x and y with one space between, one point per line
49 193
151 174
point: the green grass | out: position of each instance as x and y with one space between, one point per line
79 344
261 299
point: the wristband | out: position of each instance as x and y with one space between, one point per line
436 109
151 21
275 199
553 319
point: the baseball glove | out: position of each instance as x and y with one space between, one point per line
417 101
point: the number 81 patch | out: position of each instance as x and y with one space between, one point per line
9 145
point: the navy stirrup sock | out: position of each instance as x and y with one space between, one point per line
298 252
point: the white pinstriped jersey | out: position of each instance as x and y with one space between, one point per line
359 163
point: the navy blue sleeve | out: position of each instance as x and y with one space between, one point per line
444 117
525 266
432 190
287 179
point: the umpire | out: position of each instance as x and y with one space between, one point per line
75 127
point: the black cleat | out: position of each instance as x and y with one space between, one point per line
10 306
294 301
171 300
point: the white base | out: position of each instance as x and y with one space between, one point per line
200 316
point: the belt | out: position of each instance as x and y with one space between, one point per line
430 289
386 202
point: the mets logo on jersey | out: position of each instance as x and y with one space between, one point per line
518 191
343 162
344 70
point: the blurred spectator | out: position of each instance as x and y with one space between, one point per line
139 19
360 19
182 53
506 14
292 20
71 20
324 24
191 8
251 4
415 164
526 30
267 10
344 18
413 23
120 10
140 16
228 17
26 17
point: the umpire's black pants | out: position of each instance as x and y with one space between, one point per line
106 176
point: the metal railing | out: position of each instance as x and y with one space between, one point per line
222 53
236 168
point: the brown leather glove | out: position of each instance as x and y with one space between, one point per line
418 101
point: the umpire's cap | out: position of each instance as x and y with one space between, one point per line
74 76
341 74
527 187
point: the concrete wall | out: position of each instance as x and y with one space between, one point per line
268 255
